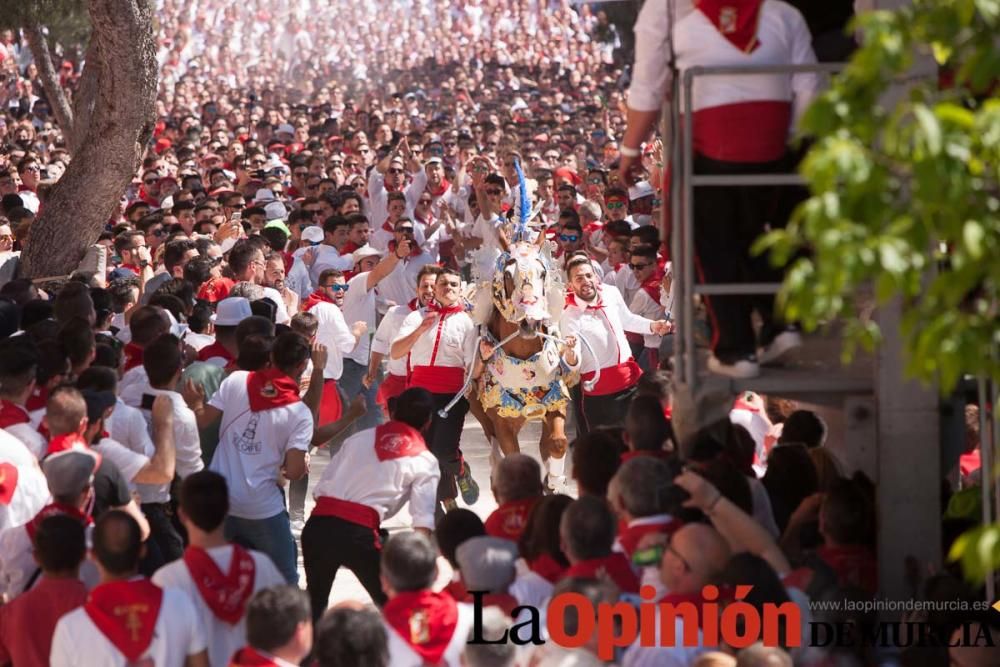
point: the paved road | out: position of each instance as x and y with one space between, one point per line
476 451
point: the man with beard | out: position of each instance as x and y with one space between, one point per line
369 479
599 313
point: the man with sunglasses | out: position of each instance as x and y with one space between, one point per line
616 205
389 176
646 301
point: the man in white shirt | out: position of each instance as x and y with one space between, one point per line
218 576
266 430
398 369
336 235
397 287
127 619
423 627
598 314
359 306
18 363
441 345
326 304
164 362
368 480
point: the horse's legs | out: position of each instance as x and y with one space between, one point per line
506 430
477 410
553 448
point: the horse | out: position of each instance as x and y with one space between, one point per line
525 378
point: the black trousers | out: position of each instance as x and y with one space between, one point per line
444 440
162 533
329 543
593 412
727 221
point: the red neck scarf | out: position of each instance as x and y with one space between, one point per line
271 388
630 537
387 226
319 296
39 397
614 567
216 349
8 483
413 304
652 286
394 440
125 612
414 252
133 356
508 520
12 414
596 304
348 248
226 594
736 20
548 568
444 311
425 620
445 184
248 657
55 509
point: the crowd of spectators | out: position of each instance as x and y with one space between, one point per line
319 174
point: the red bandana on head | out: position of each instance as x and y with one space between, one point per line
394 440
425 620
8 482
317 297
225 594
125 612
133 356
53 510
270 388
736 20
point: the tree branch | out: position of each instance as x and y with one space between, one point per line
86 95
50 79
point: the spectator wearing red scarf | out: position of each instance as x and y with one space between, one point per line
220 577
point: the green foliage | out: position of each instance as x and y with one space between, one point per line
905 197
67 20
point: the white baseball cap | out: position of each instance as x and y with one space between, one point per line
232 311
640 190
313 234
285 128
275 211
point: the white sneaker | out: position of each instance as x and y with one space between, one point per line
555 483
779 348
742 369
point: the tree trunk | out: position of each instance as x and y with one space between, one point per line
39 46
88 194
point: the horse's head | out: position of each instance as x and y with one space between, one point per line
521 285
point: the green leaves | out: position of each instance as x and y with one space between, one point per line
979 551
905 199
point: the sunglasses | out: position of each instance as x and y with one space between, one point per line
394 171
149 182
615 205
313 211
158 233
657 202
336 288
638 267
568 238
258 163
596 180
300 174
404 230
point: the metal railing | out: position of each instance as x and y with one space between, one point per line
682 203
